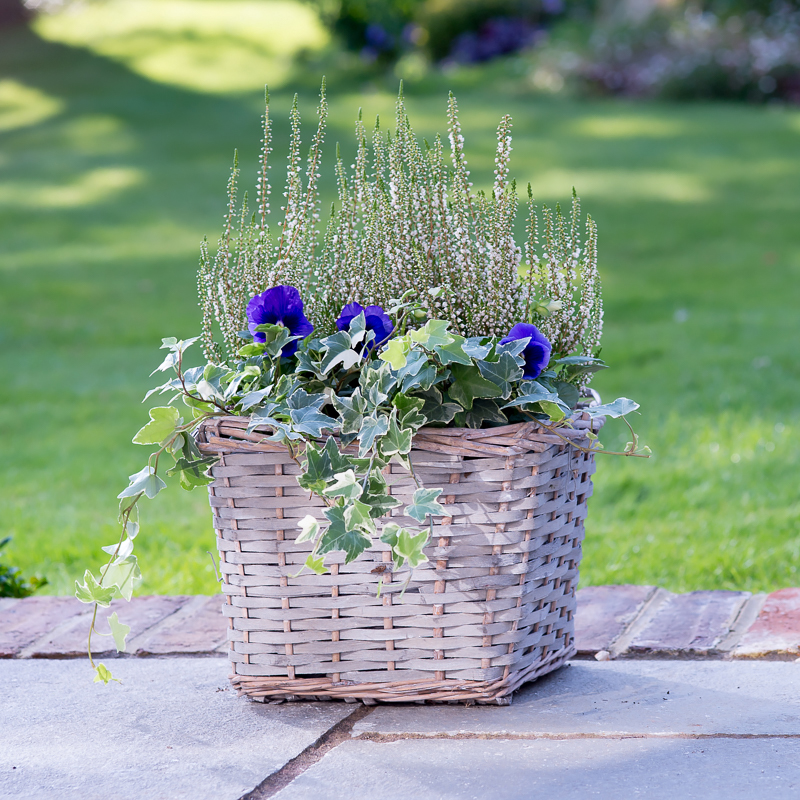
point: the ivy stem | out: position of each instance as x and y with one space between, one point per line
579 447
89 641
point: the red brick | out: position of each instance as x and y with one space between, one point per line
688 624
26 620
197 629
604 612
776 631
142 613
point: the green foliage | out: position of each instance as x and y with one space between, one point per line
12 584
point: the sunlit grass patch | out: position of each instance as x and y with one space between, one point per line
22 105
206 45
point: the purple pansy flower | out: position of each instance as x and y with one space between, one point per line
280 305
536 352
376 318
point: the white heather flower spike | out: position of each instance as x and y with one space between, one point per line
404 220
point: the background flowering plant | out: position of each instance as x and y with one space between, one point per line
417 310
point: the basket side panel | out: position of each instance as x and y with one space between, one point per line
492 607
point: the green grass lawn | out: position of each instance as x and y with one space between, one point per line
115 140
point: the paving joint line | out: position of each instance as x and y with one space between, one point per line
747 615
280 779
387 738
619 647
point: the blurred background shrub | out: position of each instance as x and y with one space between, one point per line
12 584
731 49
719 49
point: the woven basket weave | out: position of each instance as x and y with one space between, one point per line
491 609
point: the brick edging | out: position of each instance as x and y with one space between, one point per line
648 622
612 622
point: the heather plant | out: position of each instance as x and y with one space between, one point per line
416 307
405 220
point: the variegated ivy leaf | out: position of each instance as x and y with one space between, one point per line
502 373
409 411
437 411
553 410
216 377
483 411
317 470
351 411
310 420
163 421
309 528
453 353
252 349
396 351
119 631
475 347
397 440
254 398
346 485
405 544
371 429
316 563
433 334
619 408
377 496
339 536
358 330
250 371
346 358
145 481
193 473
276 338
409 546
376 384
358 515
123 576
423 502
531 392
300 398
120 549
90 591
515 348
468 383
103 675
176 349
424 379
338 350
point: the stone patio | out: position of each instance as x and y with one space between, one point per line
672 697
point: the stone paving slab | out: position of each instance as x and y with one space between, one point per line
631 698
173 729
610 769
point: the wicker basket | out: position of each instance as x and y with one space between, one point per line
492 608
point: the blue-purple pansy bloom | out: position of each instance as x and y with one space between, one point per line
280 305
536 352
377 321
